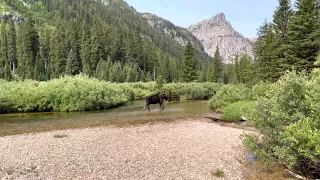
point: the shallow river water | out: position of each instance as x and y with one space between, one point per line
129 113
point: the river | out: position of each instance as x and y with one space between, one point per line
129 113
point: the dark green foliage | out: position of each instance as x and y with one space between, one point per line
4 49
85 49
73 66
96 44
290 42
288 117
45 52
189 72
160 82
210 73
39 69
59 50
237 69
303 35
246 72
12 46
281 19
94 31
267 59
149 77
7 72
217 66
230 75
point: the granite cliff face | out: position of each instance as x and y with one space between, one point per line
179 34
217 31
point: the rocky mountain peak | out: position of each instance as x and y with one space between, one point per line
217 31
219 18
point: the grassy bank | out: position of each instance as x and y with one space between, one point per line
234 111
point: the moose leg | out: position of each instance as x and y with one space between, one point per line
149 107
144 107
161 106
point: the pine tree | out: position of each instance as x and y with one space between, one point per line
265 48
246 66
114 75
4 49
281 18
74 43
73 66
20 51
12 46
149 77
210 73
97 49
101 71
143 77
39 69
45 51
237 70
85 49
202 74
230 74
303 35
60 50
31 47
160 82
218 66
189 71
7 72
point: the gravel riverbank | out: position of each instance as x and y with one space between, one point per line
191 149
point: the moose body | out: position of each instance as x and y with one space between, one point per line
156 99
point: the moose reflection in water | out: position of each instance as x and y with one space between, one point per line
156 99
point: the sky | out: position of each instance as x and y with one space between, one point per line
245 16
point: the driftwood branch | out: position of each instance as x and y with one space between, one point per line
296 175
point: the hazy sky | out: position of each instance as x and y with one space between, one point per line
245 15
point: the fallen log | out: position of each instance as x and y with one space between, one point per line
214 117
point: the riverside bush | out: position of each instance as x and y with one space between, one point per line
234 111
288 117
78 93
191 91
228 94
139 90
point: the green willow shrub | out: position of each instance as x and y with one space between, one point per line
4 100
77 93
288 117
191 91
234 111
139 90
228 94
260 89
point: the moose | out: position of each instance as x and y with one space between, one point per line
156 99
